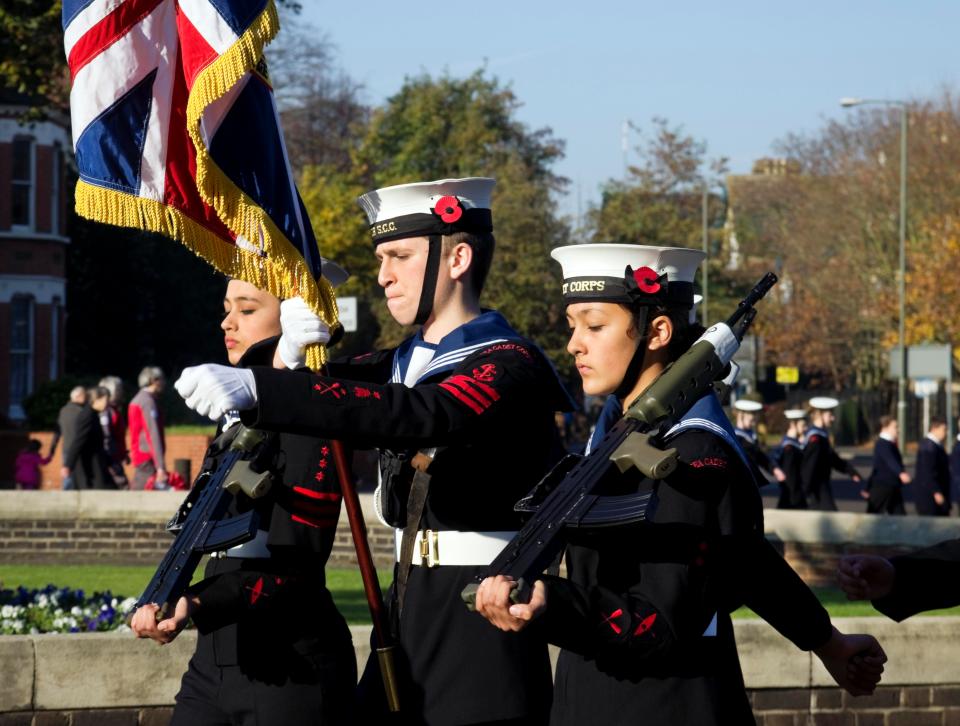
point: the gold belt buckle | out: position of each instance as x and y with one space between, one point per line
429 548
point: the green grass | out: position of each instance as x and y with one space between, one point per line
345 585
189 429
129 581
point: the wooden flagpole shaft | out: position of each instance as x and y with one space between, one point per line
368 572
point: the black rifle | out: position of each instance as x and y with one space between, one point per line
566 499
197 524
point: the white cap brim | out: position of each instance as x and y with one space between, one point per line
749 406
823 403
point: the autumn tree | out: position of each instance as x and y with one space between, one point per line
831 226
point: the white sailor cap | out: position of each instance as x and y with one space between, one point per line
437 207
794 414
823 403
743 404
697 299
628 273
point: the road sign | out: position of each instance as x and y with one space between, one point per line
925 387
348 313
923 361
788 375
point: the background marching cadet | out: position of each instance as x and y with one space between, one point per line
884 489
272 649
463 412
749 441
789 457
819 457
931 492
643 619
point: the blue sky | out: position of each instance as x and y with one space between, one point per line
738 74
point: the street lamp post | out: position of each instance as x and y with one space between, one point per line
902 380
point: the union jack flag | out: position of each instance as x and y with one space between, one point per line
176 131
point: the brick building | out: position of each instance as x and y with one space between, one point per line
33 239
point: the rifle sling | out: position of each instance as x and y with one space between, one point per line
416 500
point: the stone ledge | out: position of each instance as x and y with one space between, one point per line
114 670
862 529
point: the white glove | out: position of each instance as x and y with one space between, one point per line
301 327
212 390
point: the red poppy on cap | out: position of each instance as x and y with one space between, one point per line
449 209
646 280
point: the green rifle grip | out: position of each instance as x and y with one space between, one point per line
636 451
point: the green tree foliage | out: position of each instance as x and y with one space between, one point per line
457 127
32 62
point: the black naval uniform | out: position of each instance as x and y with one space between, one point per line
272 647
927 579
818 459
491 417
644 620
791 488
933 475
884 485
759 461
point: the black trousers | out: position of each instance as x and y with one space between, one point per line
885 500
212 695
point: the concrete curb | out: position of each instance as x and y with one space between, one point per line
112 670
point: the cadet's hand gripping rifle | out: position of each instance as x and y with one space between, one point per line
197 524
565 497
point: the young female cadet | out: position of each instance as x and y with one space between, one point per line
643 618
272 649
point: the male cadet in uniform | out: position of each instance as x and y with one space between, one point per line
463 412
819 457
931 492
884 490
750 443
789 459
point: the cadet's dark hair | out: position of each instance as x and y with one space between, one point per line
937 421
886 421
685 333
482 246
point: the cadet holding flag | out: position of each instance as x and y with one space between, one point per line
643 618
462 412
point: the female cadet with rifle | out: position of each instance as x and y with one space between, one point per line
272 648
643 617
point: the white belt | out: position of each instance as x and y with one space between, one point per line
254 549
432 548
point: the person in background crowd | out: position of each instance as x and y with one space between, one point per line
746 432
931 491
819 456
789 458
272 648
955 468
114 425
27 465
146 430
66 430
884 490
84 460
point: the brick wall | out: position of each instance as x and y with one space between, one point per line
890 706
935 705
112 541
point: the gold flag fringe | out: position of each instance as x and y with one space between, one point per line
282 271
